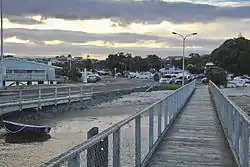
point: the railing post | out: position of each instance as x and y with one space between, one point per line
138 141
166 121
176 103
237 131
245 141
81 90
230 121
81 93
151 128
55 96
69 91
182 98
159 117
170 102
20 99
39 97
116 148
75 162
97 155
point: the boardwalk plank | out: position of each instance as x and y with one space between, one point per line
195 139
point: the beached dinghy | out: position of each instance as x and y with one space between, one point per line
13 127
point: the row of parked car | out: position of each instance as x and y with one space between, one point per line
175 79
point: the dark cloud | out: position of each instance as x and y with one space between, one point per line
39 48
23 20
75 36
38 36
44 50
147 12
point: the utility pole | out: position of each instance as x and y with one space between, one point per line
2 71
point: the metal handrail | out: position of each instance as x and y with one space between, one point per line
235 123
75 151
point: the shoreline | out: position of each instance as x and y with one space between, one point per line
70 129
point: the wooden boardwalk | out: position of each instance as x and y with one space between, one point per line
195 139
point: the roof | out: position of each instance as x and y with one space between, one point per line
32 62
209 64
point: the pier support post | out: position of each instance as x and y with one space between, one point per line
97 155
29 82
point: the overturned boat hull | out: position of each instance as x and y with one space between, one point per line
13 127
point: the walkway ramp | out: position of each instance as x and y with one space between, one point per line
195 139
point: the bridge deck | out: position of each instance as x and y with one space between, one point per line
195 139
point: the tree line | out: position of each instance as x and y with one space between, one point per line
233 56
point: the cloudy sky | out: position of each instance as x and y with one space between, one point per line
99 27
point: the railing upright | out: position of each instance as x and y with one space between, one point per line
235 123
151 128
39 98
116 148
138 141
148 120
55 96
20 99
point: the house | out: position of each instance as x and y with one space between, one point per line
19 70
209 64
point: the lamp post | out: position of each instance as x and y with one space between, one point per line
183 51
1 73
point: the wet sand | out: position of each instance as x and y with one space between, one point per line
240 96
67 132
70 129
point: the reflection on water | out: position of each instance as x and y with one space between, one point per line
26 137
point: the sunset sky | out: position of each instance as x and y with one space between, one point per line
99 27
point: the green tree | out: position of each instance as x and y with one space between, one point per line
217 75
233 55
154 61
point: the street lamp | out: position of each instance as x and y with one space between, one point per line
1 72
183 51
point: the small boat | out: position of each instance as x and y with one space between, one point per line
13 127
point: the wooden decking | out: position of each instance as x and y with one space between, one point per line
195 139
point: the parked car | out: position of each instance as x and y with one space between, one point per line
91 78
144 75
178 80
204 80
98 77
166 79
236 83
242 79
132 74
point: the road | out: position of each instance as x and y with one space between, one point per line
32 92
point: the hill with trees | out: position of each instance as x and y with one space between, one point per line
233 55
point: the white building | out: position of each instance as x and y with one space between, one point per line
209 64
18 70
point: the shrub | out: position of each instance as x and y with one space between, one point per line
166 87
217 75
